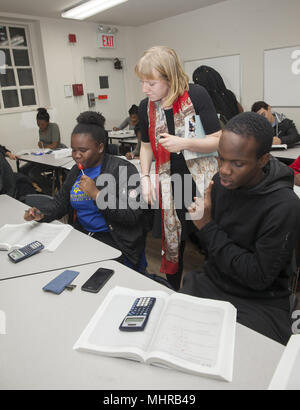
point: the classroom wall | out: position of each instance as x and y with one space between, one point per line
57 64
232 27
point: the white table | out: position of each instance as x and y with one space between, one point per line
76 249
120 135
290 153
41 329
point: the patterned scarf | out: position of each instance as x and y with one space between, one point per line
201 166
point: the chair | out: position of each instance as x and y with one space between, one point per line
112 149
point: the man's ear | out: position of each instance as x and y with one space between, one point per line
263 160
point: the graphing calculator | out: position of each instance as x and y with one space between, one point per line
32 248
137 317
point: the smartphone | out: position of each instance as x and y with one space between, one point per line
97 280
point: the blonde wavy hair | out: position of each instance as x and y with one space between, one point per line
165 61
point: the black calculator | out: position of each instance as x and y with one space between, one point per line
137 317
32 248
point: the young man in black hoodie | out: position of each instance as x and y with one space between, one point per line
248 229
284 129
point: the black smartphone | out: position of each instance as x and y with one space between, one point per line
97 280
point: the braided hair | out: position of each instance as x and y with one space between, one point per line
224 100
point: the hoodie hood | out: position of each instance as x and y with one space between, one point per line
277 176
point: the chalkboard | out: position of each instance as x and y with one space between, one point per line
282 77
227 66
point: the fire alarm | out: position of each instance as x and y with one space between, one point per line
72 38
77 89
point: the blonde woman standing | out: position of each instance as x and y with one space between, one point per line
180 128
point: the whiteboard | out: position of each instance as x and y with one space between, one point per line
282 77
227 66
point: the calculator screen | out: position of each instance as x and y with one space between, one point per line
16 254
133 321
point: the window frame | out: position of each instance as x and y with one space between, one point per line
18 87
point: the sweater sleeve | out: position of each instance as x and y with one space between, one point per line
288 132
273 248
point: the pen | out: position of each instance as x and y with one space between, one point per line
131 152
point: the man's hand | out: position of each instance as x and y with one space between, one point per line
276 141
200 210
88 186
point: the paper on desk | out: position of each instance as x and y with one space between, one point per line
51 235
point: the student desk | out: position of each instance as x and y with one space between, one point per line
120 135
41 328
290 153
56 164
76 249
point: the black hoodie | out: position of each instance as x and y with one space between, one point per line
250 241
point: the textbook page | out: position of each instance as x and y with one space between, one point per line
50 235
287 373
196 335
110 314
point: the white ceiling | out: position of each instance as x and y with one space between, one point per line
131 13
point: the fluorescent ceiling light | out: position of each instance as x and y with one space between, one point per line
90 8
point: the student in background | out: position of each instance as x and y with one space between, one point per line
284 130
296 168
113 222
136 152
248 230
49 134
49 138
224 100
132 121
171 101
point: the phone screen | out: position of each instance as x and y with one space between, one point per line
97 280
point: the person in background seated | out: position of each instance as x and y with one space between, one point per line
113 221
49 138
284 130
248 230
136 152
131 121
296 168
4 151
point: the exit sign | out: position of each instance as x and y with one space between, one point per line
107 40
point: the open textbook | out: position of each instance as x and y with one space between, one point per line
50 234
190 334
287 374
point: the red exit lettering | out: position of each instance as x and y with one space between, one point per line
107 41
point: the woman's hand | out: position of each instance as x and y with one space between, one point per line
88 186
171 143
33 214
148 190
